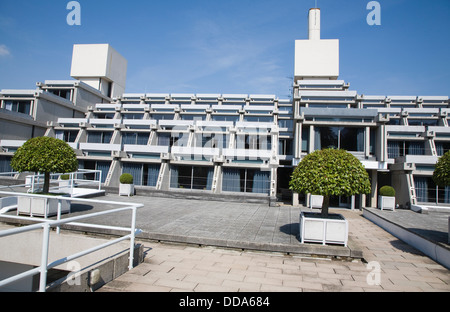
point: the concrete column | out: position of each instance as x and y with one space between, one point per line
297 140
374 192
367 142
311 146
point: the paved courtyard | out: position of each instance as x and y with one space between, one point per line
388 264
212 246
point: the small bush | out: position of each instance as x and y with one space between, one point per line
387 191
126 178
65 177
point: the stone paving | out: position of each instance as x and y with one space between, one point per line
388 265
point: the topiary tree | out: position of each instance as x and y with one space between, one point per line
441 174
126 178
45 155
330 172
387 191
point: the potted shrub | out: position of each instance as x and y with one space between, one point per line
43 155
328 172
126 186
386 198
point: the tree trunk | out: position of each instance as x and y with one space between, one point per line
325 205
46 183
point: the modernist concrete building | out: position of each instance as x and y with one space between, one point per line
245 146
25 114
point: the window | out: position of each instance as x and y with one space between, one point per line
23 107
285 147
69 136
233 118
212 140
64 93
172 139
246 180
99 137
427 191
285 123
258 118
104 115
305 139
133 116
5 164
162 116
422 122
193 117
135 138
346 138
402 148
103 166
191 177
442 148
143 174
254 142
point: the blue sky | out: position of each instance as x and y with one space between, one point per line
228 46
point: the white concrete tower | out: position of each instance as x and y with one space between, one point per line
101 67
316 58
314 24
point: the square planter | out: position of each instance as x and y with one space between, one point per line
41 207
316 229
126 189
386 202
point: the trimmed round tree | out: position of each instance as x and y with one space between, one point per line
45 155
441 174
330 172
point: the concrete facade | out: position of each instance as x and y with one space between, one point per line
242 145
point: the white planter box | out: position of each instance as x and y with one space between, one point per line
126 189
331 230
386 202
41 207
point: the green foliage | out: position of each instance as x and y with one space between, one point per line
441 175
387 191
65 177
126 178
45 155
330 172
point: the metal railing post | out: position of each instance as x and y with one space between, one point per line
133 233
58 216
44 257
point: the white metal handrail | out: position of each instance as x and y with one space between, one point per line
74 180
46 225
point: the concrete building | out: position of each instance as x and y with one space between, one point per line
25 114
245 146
